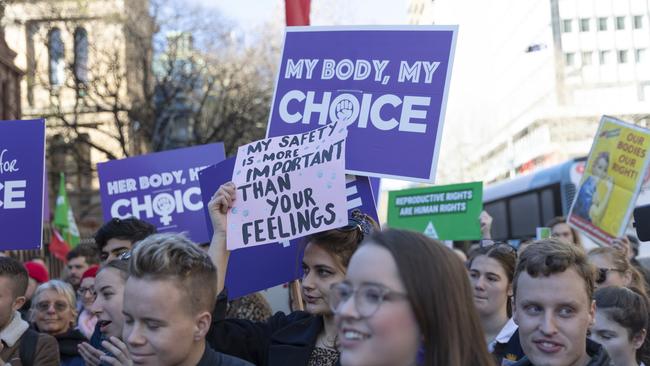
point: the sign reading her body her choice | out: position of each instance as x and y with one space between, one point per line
613 176
261 267
288 187
388 84
449 212
22 167
160 188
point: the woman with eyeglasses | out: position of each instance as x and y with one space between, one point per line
86 292
301 338
406 300
53 312
614 269
491 269
621 325
109 288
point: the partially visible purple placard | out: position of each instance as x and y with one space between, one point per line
22 165
389 84
261 267
160 188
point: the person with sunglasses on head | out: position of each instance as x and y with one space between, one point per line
406 300
86 293
117 236
109 285
614 269
621 325
299 338
491 269
54 312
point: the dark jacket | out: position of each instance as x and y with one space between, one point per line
282 340
509 353
214 358
597 353
68 347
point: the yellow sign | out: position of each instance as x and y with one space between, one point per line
612 179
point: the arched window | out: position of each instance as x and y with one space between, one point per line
57 61
81 55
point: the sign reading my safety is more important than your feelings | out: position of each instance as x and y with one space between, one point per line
289 187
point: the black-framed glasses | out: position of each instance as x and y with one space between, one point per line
89 290
59 306
601 275
367 298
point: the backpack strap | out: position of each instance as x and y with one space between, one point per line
28 344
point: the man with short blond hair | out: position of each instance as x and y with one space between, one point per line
168 300
553 287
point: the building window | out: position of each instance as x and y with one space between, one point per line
620 23
638 21
622 56
566 25
604 57
81 55
56 53
587 58
602 24
584 25
640 55
569 58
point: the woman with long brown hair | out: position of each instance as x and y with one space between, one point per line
406 300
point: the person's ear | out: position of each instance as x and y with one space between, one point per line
627 277
592 313
202 324
18 303
515 314
639 338
510 292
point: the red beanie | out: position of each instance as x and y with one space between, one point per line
91 272
37 271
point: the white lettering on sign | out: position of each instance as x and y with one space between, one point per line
13 194
162 205
8 166
296 106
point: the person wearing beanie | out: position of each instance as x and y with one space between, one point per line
86 293
37 274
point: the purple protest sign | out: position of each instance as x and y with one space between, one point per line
261 267
22 166
161 188
388 84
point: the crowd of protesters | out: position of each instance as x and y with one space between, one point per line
370 298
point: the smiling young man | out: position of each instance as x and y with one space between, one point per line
553 306
168 300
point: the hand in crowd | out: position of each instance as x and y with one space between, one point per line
219 205
486 225
117 348
90 354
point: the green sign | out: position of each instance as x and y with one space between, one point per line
442 212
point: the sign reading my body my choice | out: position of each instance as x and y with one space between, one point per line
388 84
161 188
22 156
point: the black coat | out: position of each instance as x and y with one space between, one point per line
285 339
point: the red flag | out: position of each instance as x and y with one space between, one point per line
58 246
297 12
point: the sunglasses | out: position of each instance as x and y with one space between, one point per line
357 221
499 246
601 275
